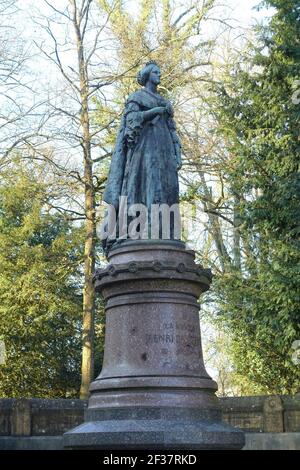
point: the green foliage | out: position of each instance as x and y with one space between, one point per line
40 299
259 304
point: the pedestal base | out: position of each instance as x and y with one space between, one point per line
154 429
153 391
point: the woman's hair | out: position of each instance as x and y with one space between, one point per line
143 75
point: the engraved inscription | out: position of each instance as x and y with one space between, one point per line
185 341
159 338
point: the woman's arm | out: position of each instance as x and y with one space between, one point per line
151 113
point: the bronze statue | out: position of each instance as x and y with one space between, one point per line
147 156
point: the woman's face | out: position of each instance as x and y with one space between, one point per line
154 76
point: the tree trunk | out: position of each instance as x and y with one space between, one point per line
87 365
87 368
215 228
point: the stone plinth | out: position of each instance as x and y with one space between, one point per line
153 391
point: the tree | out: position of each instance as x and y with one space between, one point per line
72 29
259 303
40 307
21 116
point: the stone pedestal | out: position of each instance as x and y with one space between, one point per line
153 391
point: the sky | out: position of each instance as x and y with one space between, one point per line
243 11
240 12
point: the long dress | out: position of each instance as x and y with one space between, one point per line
146 156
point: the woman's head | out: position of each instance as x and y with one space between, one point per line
151 72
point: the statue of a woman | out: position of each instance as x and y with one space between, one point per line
147 156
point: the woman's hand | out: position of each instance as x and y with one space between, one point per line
160 110
152 113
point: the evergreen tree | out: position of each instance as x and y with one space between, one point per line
259 303
40 299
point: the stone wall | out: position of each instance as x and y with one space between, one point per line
42 417
272 414
39 417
